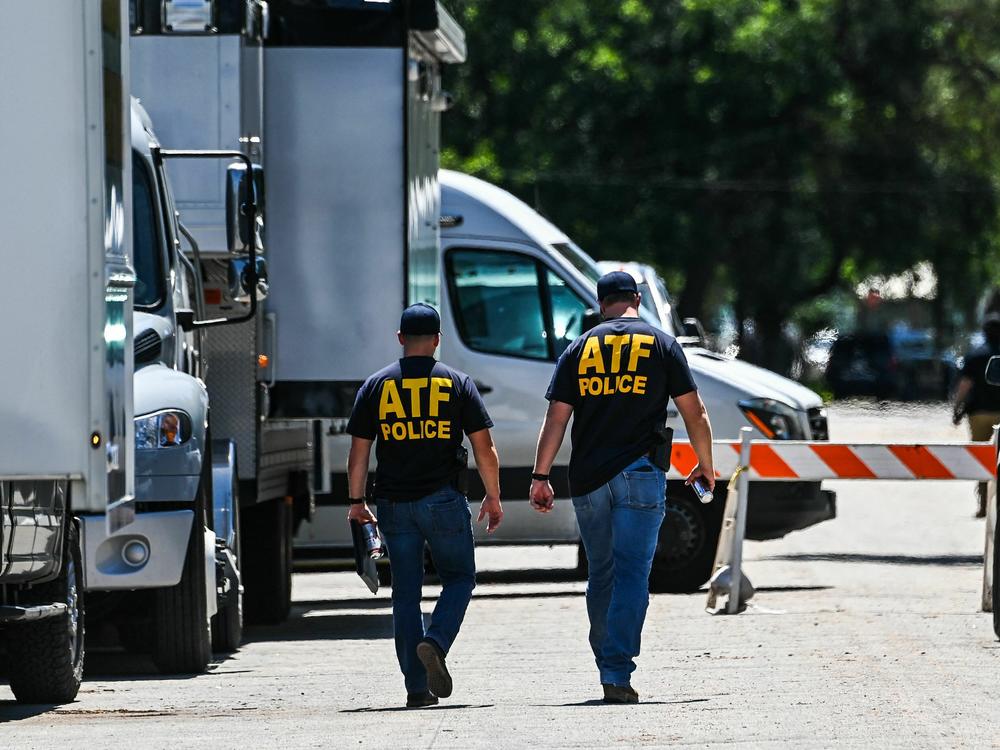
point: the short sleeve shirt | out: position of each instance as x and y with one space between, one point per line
618 377
417 411
983 397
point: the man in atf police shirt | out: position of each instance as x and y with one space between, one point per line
417 411
617 379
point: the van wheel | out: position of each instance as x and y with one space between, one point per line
45 658
267 572
685 550
227 623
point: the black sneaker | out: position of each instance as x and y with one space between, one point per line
431 656
619 693
420 700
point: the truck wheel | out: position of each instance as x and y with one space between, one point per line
227 623
182 636
685 550
267 567
45 658
996 577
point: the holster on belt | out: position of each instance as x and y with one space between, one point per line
663 443
461 478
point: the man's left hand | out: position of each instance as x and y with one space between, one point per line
361 513
491 507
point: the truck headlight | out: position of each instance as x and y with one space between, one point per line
777 421
164 429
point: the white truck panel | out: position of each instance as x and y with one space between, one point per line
336 189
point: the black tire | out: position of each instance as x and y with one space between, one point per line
685 550
267 562
182 640
996 577
227 623
45 658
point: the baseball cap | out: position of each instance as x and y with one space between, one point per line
420 320
615 282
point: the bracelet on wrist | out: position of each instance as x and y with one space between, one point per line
356 500
540 477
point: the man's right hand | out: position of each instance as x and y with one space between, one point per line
541 495
361 513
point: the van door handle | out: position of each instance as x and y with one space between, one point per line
483 388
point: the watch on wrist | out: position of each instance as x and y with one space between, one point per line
356 500
539 477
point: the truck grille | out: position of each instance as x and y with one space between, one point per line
817 424
147 347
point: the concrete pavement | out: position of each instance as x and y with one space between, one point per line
865 632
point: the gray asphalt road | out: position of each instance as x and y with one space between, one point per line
866 633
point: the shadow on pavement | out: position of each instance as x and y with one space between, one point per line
322 623
14 711
600 702
855 557
393 709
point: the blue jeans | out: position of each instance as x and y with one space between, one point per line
619 525
443 521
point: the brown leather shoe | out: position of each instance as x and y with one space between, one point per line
619 693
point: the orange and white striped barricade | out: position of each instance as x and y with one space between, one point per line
795 461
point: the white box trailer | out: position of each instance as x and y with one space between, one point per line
65 397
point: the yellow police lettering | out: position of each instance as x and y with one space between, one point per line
386 431
617 343
431 428
399 431
636 350
639 387
390 402
444 430
414 386
439 393
591 357
624 383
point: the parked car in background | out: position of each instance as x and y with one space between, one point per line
902 363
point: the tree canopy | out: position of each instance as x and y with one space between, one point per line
764 152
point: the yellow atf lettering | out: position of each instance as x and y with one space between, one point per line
400 433
414 386
617 343
390 402
636 350
439 393
591 357
386 431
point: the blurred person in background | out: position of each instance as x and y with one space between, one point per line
977 399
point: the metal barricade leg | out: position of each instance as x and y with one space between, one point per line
743 490
991 523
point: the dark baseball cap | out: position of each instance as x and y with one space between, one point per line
420 320
614 283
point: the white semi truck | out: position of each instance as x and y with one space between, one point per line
197 69
341 101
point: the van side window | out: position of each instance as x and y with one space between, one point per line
567 313
497 300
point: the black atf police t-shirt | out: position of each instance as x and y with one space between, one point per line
618 377
983 397
416 410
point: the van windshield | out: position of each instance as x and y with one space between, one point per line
588 267
146 255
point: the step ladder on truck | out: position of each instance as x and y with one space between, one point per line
197 69
65 398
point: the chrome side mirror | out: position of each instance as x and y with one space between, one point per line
238 188
993 371
238 280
